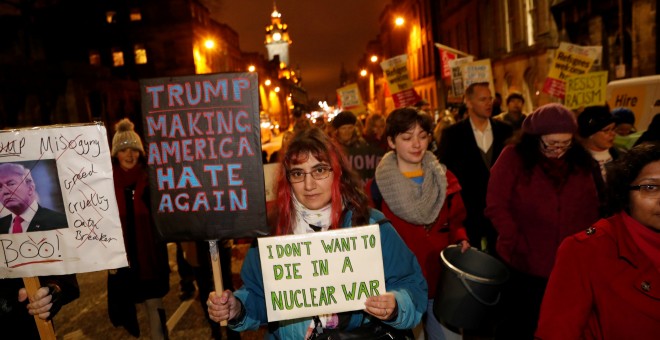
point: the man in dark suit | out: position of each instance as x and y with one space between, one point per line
18 195
469 149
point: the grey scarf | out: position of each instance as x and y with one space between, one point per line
415 203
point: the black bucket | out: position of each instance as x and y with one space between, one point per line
469 289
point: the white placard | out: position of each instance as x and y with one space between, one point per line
72 174
321 273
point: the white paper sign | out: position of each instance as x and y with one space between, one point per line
74 221
321 273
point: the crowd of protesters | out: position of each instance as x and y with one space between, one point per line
571 212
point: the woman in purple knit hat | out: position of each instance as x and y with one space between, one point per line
541 190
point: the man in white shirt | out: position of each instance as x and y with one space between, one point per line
18 195
469 149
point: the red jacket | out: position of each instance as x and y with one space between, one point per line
427 244
531 216
602 287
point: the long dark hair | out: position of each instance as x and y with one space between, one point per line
346 187
529 148
622 172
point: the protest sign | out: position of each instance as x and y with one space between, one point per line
399 82
321 273
586 90
478 72
350 99
204 154
364 160
457 82
570 60
68 197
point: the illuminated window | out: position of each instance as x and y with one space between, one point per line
140 54
117 57
136 15
111 17
94 57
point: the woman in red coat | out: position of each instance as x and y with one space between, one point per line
147 277
541 190
421 199
606 281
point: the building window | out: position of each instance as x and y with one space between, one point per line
117 57
94 58
531 14
140 54
136 15
111 17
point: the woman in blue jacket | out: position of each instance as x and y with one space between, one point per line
318 192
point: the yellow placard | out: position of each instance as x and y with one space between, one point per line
586 90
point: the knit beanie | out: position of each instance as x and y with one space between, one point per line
594 119
623 115
549 119
125 137
344 118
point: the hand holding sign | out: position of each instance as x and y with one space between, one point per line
224 307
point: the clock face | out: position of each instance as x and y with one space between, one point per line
277 36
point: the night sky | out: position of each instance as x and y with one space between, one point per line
325 34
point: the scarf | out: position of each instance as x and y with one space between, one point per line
415 203
306 218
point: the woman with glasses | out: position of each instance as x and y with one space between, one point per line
317 191
541 190
606 281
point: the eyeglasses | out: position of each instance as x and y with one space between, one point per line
557 145
647 190
297 176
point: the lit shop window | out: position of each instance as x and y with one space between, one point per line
111 17
117 57
136 15
140 54
94 58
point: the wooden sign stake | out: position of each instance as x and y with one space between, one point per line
45 327
217 271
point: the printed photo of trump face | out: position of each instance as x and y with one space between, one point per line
22 209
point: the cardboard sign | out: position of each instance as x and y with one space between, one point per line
350 99
399 82
203 149
457 82
586 90
478 72
66 191
570 60
321 273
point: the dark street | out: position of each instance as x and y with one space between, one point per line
87 317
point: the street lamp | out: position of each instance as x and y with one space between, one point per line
209 43
399 21
267 82
363 72
251 68
374 58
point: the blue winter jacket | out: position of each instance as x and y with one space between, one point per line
403 277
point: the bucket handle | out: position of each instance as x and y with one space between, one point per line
467 286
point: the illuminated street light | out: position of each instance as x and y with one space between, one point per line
363 73
209 43
267 82
374 58
399 21
251 68
277 89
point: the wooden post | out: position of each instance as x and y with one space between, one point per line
217 271
45 327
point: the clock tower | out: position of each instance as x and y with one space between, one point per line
277 38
